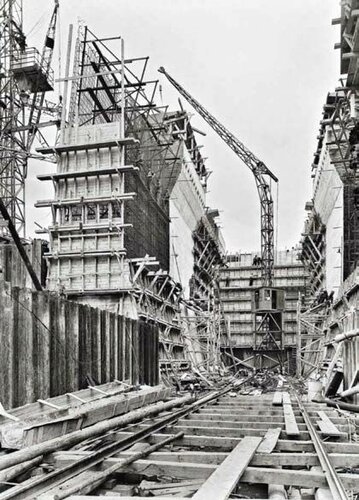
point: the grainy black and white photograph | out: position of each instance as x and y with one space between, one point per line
179 249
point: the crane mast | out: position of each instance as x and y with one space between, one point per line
25 77
267 301
38 98
262 176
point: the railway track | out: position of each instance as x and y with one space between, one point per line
224 445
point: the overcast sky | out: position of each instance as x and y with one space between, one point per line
262 68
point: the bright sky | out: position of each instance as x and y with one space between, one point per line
262 68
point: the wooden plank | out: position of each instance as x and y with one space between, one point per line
64 359
270 440
135 352
7 334
215 431
326 425
26 373
182 488
256 475
109 497
230 423
221 483
277 399
300 478
291 427
64 458
238 419
275 412
155 486
286 398
309 479
227 443
195 430
273 459
61 148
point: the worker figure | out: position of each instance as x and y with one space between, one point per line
257 261
323 297
330 298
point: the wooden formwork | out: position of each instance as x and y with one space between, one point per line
49 346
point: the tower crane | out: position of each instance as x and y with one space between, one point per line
262 176
267 301
38 99
25 77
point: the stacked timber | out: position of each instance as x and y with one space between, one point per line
54 417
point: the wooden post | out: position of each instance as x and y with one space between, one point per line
66 82
299 341
41 342
7 346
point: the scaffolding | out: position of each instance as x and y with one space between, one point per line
310 339
119 157
111 185
312 251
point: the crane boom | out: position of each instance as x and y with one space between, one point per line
261 174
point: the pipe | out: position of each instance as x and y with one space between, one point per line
341 405
95 430
343 336
349 392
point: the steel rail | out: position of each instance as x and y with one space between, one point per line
335 485
87 485
59 476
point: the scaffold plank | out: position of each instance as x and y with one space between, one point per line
221 483
291 427
270 440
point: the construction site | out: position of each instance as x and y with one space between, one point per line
141 355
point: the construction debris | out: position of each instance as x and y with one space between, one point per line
138 358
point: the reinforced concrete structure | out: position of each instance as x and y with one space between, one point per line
131 231
240 281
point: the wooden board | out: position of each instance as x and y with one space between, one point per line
300 459
277 399
220 484
227 443
291 427
270 440
326 425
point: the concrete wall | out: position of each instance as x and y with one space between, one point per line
334 246
86 237
328 204
187 206
91 133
